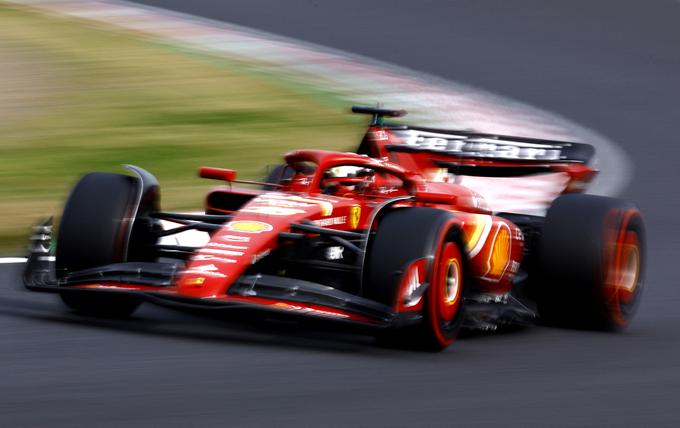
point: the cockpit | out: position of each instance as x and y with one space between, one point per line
340 174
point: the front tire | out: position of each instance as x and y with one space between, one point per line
95 230
421 243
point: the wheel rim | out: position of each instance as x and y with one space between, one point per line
448 286
623 275
629 269
451 282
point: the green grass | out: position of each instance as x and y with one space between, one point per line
93 99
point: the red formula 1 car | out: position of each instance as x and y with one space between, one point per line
386 239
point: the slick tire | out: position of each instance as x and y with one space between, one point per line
427 243
95 230
591 261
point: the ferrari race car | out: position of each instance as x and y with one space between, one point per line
386 239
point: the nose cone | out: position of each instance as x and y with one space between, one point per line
251 235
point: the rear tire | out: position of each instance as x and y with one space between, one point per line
95 230
429 238
591 259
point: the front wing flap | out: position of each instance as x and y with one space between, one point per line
153 282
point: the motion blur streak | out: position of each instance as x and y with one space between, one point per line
355 79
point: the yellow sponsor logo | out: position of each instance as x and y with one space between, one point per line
249 226
354 216
195 281
500 255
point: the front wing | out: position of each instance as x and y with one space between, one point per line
152 282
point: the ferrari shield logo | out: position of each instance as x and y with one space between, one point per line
354 216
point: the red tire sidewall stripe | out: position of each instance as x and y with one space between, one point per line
435 293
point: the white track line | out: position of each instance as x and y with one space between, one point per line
9 260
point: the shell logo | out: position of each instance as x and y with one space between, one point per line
249 226
500 255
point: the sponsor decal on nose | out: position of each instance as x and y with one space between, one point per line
267 210
330 221
235 238
249 226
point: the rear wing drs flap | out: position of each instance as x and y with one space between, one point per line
465 152
476 145
487 155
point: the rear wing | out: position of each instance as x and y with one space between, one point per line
513 174
486 147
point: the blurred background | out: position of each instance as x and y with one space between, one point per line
78 95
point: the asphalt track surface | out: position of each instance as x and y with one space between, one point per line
613 66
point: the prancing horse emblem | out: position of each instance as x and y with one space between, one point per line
354 216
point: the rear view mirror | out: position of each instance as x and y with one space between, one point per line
217 173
